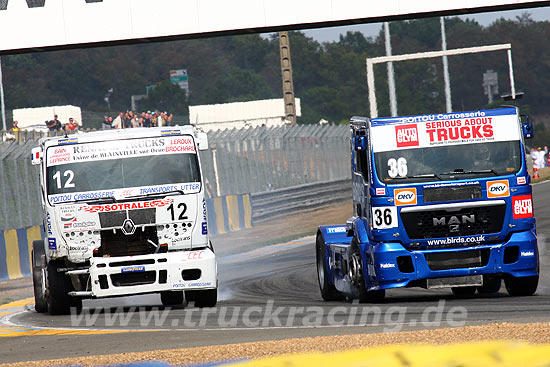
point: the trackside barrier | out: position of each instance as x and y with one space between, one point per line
271 204
15 251
229 213
486 354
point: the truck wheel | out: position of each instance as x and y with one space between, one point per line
328 291
57 293
39 276
171 298
521 286
357 277
463 291
206 298
490 285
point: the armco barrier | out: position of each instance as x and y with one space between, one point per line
225 214
270 204
15 251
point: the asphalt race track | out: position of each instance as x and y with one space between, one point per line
268 293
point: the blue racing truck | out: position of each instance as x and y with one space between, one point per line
440 201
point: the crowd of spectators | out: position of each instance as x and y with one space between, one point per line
56 125
130 119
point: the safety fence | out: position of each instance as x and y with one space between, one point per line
239 161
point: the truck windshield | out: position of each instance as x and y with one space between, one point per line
451 162
121 164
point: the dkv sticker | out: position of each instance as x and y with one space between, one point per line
498 189
405 196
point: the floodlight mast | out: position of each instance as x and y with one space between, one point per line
427 55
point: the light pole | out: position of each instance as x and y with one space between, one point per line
3 106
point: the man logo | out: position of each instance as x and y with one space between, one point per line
454 221
498 189
406 135
405 196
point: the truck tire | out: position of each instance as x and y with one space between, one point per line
171 298
328 291
521 286
205 298
39 276
365 296
490 285
464 291
57 292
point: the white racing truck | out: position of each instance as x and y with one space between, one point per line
124 214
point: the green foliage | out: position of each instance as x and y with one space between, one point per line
166 97
329 78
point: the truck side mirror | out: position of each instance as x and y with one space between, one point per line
36 158
526 126
202 140
360 143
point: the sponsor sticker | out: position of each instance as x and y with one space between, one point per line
527 253
52 244
204 228
49 223
523 206
405 196
336 230
170 132
132 269
406 135
380 191
67 141
498 189
126 206
387 266
521 180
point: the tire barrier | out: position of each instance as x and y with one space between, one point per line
15 251
229 213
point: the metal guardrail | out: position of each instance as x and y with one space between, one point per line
270 204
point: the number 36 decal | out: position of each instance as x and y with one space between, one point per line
384 217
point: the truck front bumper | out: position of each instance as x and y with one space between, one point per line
390 265
182 270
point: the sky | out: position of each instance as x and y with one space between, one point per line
485 19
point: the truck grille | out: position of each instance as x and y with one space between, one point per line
138 216
452 193
139 278
115 243
453 221
457 259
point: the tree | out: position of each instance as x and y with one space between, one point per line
166 97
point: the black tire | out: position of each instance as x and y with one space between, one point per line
171 298
521 286
490 285
464 291
39 276
206 298
57 293
328 291
365 296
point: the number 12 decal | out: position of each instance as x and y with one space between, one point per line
384 217
173 214
69 183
